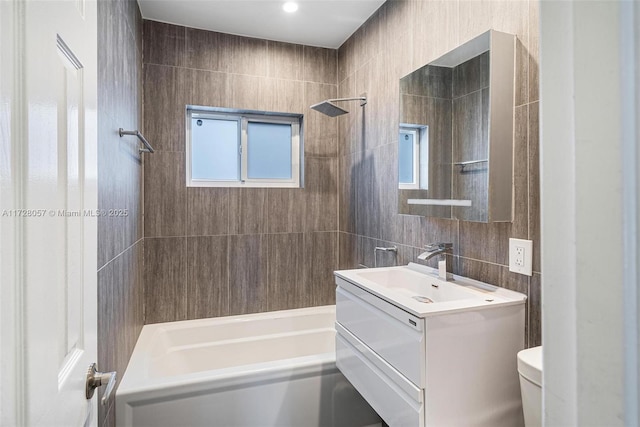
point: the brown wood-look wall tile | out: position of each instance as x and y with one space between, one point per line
411 231
475 18
468 132
535 311
534 51
248 292
347 123
165 194
119 187
203 50
120 285
243 55
366 247
205 88
164 44
367 217
522 73
385 100
320 65
165 279
207 277
126 289
320 131
407 254
482 271
511 17
347 200
521 172
320 261
164 108
247 92
368 39
440 32
137 296
346 59
366 134
468 76
395 24
321 193
207 211
285 278
247 210
439 118
534 183
468 128
285 210
347 251
285 60
436 82
486 242
108 320
283 96
387 191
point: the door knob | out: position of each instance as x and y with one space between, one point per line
96 379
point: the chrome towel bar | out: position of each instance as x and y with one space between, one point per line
471 162
147 147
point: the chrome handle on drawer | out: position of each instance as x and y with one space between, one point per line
96 379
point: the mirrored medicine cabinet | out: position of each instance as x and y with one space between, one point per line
455 138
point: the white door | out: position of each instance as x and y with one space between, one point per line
49 197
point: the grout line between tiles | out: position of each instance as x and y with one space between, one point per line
120 254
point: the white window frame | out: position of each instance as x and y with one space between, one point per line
243 118
415 183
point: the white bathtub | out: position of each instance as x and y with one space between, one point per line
265 369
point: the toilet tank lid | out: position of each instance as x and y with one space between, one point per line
530 364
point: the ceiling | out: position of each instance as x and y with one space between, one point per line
324 23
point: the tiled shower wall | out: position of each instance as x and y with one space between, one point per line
399 38
224 251
120 247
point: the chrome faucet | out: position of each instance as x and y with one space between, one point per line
438 249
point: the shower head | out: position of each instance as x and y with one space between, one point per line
332 110
328 108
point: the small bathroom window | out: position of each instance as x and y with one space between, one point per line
233 148
413 157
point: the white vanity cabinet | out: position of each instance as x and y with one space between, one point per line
451 362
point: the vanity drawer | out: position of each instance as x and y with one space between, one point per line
395 335
393 397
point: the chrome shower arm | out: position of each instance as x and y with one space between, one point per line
362 99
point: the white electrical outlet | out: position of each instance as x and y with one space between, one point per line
521 256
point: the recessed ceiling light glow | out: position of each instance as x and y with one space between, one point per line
290 7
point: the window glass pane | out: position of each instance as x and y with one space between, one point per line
268 151
405 158
214 149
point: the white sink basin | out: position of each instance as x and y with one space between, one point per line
418 290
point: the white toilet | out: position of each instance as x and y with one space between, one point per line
530 370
